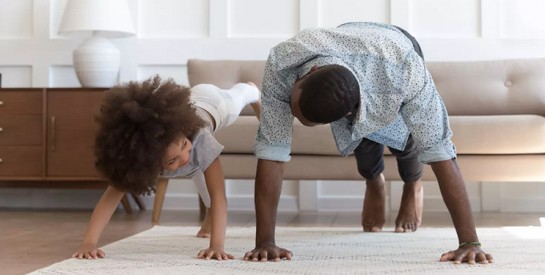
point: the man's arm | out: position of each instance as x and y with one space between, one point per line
272 148
268 186
425 115
99 219
454 194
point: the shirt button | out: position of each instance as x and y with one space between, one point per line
508 83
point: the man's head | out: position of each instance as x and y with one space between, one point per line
324 95
138 121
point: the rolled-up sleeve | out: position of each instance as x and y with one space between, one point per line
273 139
425 115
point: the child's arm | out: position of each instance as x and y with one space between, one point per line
100 217
218 212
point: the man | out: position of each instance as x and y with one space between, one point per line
370 82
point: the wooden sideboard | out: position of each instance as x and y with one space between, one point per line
47 136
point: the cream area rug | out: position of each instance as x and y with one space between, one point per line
332 250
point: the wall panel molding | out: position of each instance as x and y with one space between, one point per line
400 14
445 19
335 12
63 76
219 18
16 76
178 72
166 19
17 19
490 19
522 21
309 11
263 19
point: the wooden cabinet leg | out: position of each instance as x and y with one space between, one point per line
126 204
160 192
138 201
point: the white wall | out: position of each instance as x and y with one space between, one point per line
171 31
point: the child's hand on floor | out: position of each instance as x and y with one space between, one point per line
214 253
88 251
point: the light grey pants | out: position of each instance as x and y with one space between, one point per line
224 106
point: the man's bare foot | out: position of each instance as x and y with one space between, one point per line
256 106
409 217
206 226
373 215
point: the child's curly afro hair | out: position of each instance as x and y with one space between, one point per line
137 122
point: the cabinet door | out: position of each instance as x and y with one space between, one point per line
21 133
71 132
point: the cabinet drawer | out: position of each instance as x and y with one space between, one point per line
70 103
21 161
16 102
21 130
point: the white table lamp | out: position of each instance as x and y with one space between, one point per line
97 59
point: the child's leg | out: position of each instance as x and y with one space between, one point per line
225 105
256 106
236 98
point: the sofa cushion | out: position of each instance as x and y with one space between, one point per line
505 134
240 137
499 87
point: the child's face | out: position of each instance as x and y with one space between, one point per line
177 154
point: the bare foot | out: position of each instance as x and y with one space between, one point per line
373 215
409 217
256 106
206 226
204 233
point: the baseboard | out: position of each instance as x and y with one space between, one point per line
522 205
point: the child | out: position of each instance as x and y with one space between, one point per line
157 128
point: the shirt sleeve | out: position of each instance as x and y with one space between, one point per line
273 139
425 115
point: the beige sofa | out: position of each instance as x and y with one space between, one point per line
497 115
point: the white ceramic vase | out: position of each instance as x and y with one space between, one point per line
97 62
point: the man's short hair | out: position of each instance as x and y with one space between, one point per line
329 94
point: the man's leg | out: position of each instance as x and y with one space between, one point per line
410 169
370 161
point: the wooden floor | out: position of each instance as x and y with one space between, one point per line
31 240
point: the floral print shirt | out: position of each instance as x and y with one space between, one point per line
397 93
